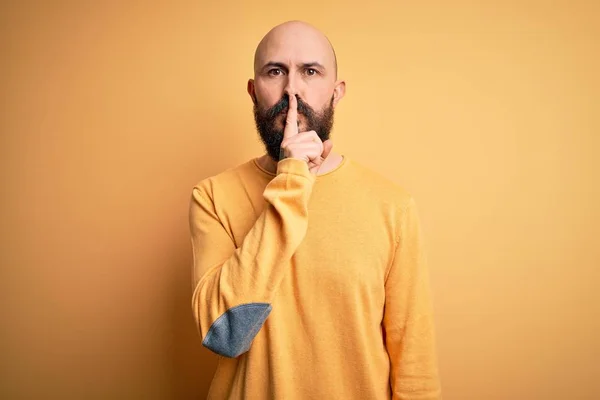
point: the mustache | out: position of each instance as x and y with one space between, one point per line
284 104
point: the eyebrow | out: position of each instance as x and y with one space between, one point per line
312 64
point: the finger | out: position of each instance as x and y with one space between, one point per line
314 167
313 147
302 137
327 146
307 151
291 122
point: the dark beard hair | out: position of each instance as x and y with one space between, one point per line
272 137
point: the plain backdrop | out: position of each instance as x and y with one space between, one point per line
110 111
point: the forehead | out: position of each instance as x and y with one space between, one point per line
295 46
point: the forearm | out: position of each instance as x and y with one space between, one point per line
232 298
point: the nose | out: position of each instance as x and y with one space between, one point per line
291 86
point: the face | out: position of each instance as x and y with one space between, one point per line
270 122
297 60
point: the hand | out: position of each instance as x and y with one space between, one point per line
305 146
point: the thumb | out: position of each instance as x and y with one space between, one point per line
327 146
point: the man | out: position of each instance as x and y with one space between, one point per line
309 275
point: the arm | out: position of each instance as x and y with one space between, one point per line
408 317
234 287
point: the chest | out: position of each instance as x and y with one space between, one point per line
348 246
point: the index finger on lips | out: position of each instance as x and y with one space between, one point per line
291 122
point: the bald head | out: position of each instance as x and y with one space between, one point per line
295 40
294 60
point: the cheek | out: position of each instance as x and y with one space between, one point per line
267 95
320 98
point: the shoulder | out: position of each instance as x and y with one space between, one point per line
379 186
226 179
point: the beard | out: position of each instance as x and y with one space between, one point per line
272 136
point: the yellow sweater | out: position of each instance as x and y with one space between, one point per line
312 287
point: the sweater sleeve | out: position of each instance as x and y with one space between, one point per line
408 317
233 287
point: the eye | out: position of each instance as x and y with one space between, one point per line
275 72
311 72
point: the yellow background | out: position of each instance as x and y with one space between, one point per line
487 112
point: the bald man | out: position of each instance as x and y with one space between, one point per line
310 279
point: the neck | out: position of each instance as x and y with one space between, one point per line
330 163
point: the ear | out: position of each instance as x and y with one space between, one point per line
339 91
251 90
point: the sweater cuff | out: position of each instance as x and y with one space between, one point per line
294 166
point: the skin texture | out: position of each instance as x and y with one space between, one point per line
296 60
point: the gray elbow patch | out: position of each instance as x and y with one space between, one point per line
232 333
